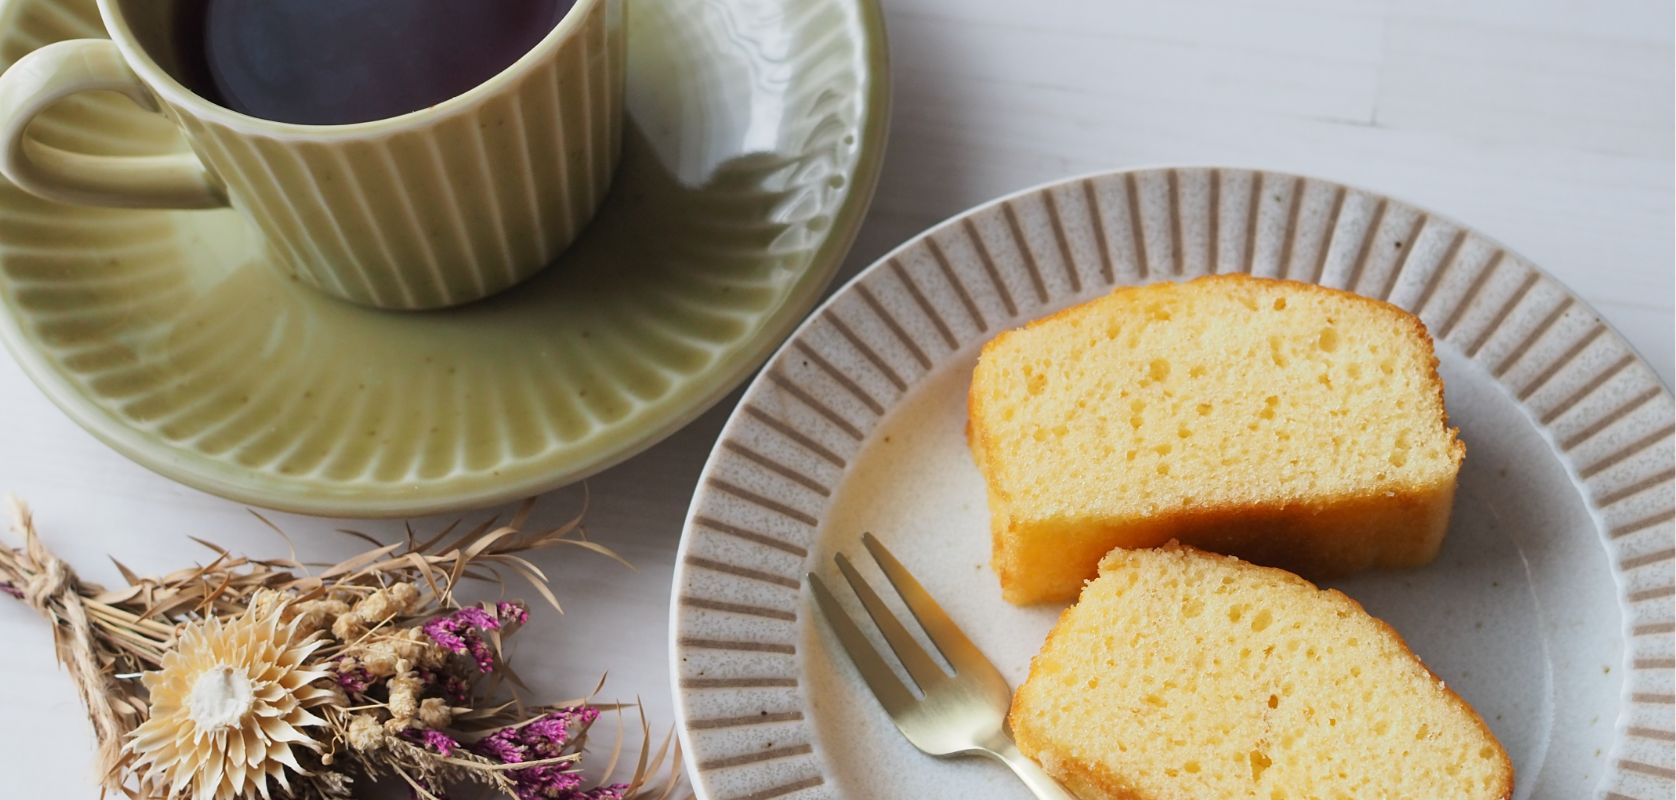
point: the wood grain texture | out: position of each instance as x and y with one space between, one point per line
1544 123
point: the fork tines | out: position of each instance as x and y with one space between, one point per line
925 672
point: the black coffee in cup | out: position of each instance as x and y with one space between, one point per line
329 62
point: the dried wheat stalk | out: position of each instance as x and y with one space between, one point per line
381 672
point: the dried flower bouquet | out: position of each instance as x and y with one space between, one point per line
247 678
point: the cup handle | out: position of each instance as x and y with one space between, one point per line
54 72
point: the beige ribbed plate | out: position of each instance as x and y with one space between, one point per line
753 144
1550 608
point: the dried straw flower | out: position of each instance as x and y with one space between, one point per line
227 707
435 713
261 680
365 732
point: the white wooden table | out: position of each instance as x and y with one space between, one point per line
1545 123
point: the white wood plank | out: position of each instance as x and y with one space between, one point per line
1545 123
1484 83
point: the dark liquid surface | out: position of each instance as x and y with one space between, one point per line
329 62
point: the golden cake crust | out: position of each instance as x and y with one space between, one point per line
1041 557
1095 780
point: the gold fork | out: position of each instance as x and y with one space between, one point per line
960 714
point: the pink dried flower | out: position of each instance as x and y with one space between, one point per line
441 742
512 612
543 738
459 632
354 678
6 588
481 654
501 748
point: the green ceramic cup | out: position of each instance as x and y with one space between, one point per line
433 208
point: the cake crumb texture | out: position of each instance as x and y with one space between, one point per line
1185 675
1287 423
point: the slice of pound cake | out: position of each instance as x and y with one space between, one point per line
1286 423
1184 675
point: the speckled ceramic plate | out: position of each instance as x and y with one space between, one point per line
754 139
1549 609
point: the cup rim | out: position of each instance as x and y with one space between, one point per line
177 94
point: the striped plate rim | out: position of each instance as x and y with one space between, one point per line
755 516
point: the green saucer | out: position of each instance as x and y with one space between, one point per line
753 143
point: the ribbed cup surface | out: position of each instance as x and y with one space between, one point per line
751 142
439 210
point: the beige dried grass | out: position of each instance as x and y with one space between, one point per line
106 638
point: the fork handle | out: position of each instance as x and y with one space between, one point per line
1041 784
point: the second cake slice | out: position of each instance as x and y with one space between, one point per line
1184 675
1286 423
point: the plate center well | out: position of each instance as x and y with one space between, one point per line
1518 613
